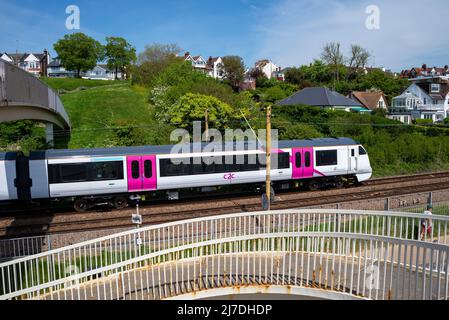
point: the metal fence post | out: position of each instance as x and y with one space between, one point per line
49 242
387 204
430 197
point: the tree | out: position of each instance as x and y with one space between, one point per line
197 107
294 76
234 70
158 52
332 56
120 54
153 61
79 52
359 59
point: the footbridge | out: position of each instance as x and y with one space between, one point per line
25 97
294 254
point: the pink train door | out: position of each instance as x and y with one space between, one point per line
141 173
303 163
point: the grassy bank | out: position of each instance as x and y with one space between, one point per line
117 114
60 84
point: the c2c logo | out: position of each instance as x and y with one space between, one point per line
229 176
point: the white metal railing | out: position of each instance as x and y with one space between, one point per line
20 247
210 252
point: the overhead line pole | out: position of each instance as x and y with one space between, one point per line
268 156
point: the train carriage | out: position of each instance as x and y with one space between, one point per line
115 175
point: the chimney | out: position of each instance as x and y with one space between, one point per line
424 66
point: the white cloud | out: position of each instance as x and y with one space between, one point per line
411 32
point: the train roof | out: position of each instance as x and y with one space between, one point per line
167 149
9 156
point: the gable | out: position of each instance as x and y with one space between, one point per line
6 57
30 58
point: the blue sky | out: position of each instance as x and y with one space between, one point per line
290 32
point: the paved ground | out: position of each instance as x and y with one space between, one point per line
349 275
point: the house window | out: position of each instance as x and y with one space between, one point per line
428 117
435 88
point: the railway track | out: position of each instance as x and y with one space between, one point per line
32 224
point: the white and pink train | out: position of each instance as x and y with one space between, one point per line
96 176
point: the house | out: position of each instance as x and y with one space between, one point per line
426 98
34 63
248 84
371 100
324 98
424 71
101 72
213 67
198 62
270 69
57 70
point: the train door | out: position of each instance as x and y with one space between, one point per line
303 163
353 159
141 173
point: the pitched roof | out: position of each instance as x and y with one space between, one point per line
20 57
369 100
444 90
55 63
319 97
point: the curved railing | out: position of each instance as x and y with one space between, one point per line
372 255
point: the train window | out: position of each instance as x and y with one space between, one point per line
106 171
326 158
307 160
283 160
135 170
148 169
73 172
298 160
362 151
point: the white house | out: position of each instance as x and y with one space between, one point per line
212 67
426 98
216 67
198 62
57 70
34 63
101 72
270 69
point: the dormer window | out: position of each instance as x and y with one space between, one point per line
435 88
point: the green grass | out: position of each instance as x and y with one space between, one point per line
96 113
61 84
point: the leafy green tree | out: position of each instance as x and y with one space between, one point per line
380 80
120 54
234 70
294 76
79 52
196 107
274 94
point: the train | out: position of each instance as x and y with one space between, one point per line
118 176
